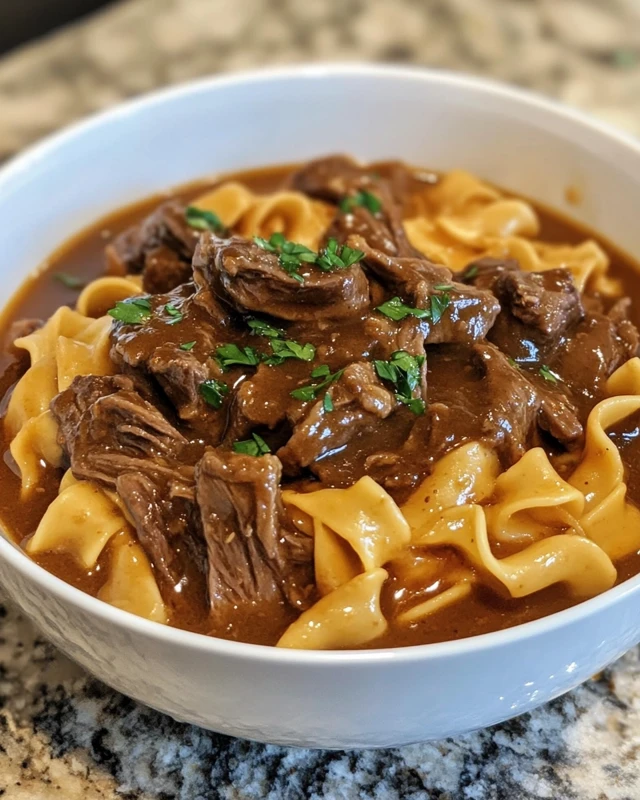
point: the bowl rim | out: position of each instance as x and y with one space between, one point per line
31 571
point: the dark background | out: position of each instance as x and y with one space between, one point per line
21 20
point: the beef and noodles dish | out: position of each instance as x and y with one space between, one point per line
328 406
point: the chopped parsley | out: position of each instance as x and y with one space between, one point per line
69 280
228 355
546 373
513 363
256 446
310 392
395 309
403 371
327 402
470 273
361 198
213 392
438 304
133 311
287 348
335 256
175 314
188 346
204 220
291 254
261 328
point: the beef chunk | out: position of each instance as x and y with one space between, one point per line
153 351
359 401
106 428
547 301
330 178
253 279
483 272
515 407
469 313
142 500
253 556
161 247
597 347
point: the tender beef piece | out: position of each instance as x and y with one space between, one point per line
625 329
515 407
253 556
329 178
107 429
597 347
142 500
483 272
252 279
153 351
470 313
359 401
547 301
161 247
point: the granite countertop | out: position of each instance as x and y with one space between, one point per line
65 735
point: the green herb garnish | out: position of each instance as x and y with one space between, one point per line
403 371
133 311
69 280
438 304
227 355
188 346
513 363
286 348
327 402
256 446
291 254
470 273
204 220
548 375
335 256
261 328
396 309
310 392
361 198
213 392
175 314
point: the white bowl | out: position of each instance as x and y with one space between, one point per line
351 699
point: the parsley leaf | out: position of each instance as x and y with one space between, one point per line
188 345
438 304
261 328
69 280
256 446
403 371
548 374
395 309
133 311
213 392
335 256
229 354
361 198
470 273
287 348
327 402
513 363
291 254
204 220
174 313
310 392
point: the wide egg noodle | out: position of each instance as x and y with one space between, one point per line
364 515
335 561
131 584
102 294
79 522
294 214
466 219
350 616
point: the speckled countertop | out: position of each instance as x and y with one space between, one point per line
64 735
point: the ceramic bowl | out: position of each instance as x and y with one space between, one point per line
352 699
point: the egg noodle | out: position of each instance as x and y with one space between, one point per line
554 529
